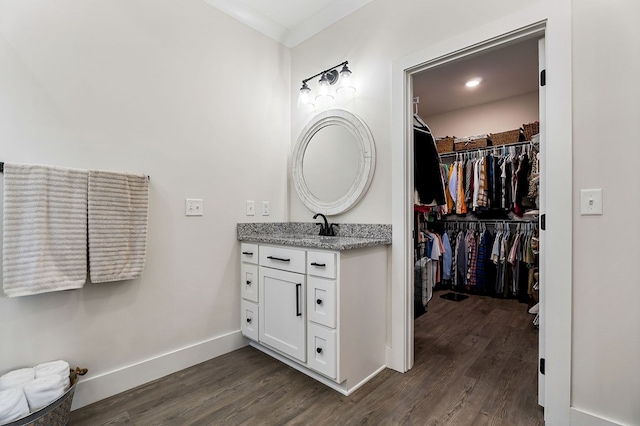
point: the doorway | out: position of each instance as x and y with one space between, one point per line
501 294
554 25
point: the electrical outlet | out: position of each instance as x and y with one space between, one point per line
251 208
193 207
265 208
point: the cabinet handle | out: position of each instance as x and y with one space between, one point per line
248 282
248 253
249 320
298 311
319 265
277 258
319 301
319 350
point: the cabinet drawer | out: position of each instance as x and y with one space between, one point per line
249 253
249 319
283 258
249 282
321 347
321 301
321 264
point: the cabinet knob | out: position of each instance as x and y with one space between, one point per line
248 282
319 301
248 319
319 350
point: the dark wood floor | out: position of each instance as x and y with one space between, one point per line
475 364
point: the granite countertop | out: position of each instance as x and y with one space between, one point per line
303 234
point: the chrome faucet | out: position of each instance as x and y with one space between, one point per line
325 229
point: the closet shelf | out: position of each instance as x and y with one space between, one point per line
487 149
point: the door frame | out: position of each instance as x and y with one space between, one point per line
553 21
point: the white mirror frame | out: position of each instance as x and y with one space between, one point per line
366 162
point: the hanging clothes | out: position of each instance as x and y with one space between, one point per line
427 174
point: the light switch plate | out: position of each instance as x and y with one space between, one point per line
265 208
251 208
193 207
590 202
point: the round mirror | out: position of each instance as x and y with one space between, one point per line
333 162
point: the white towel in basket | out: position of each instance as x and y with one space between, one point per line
17 378
61 368
13 405
118 209
43 391
45 229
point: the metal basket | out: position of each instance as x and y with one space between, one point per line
56 413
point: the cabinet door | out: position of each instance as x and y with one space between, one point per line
321 303
283 312
322 350
249 319
249 282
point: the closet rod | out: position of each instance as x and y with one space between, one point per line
489 148
2 170
534 219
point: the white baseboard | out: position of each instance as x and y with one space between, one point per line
582 418
102 386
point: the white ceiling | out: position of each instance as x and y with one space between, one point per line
289 22
505 72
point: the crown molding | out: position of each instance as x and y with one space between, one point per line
289 37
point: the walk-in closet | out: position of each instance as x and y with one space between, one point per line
477 204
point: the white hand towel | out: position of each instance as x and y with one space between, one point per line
118 216
13 405
44 247
43 391
61 368
17 378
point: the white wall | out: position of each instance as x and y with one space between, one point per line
492 117
371 39
169 88
606 316
606 319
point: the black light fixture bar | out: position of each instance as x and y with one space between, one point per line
325 71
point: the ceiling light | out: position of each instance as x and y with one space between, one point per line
328 78
473 83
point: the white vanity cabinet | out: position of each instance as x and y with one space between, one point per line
320 311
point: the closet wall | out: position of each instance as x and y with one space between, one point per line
498 116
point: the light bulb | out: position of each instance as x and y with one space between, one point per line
304 98
346 86
323 90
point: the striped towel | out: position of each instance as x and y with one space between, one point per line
45 229
118 210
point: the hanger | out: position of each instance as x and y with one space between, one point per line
421 124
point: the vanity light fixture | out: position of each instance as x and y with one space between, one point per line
328 78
